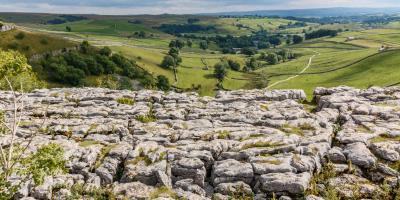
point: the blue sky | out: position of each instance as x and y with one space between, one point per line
177 6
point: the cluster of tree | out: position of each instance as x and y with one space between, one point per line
293 25
176 29
140 34
192 20
248 44
282 55
251 64
173 59
74 66
66 18
136 21
373 19
321 33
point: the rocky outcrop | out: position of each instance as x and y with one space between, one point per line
258 143
6 27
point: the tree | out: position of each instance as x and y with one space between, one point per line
189 43
20 36
297 39
14 66
234 65
68 28
203 45
105 51
221 70
168 62
179 44
142 34
272 59
252 64
249 51
84 46
163 83
264 45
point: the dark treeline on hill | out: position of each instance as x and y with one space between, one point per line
66 18
72 67
368 19
184 28
260 40
321 33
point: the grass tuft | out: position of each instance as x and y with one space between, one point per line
126 101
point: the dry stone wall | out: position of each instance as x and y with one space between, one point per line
241 144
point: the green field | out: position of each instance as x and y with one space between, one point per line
351 58
190 73
381 70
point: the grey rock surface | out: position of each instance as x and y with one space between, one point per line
256 143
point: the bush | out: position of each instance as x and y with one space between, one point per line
126 101
249 51
234 65
20 36
47 161
14 66
221 70
168 62
203 45
44 41
297 39
13 46
163 83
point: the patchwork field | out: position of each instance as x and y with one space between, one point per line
346 58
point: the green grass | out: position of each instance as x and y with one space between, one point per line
117 27
261 144
126 101
191 72
32 43
369 72
88 143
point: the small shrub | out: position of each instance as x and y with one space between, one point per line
149 117
20 36
44 41
88 143
13 46
79 191
288 129
146 118
26 48
103 154
161 191
261 144
48 160
126 101
224 134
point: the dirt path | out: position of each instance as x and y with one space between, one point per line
295 76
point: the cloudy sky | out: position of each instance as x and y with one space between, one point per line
177 6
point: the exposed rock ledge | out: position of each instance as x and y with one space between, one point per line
249 142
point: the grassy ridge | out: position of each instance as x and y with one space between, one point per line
32 43
379 70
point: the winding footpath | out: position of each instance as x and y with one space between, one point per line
295 76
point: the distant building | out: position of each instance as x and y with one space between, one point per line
383 48
6 27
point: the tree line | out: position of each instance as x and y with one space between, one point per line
74 66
